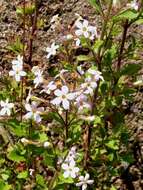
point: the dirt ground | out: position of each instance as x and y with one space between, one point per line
67 9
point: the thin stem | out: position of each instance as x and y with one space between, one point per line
34 27
66 125
21 98
98 59
120 56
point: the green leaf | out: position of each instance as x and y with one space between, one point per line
63 180
15 156
127 14
43 137
98 43
130 69
83 58
29 9
4 186
111 157
113 188
113 144
96 4
40 180
22 175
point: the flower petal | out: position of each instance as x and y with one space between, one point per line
65 104
65 90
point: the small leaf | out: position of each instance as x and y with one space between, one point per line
96 4
83 58
127 14
112 144
15 156
130 69
22 175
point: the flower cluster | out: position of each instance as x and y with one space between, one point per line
70 170
69 165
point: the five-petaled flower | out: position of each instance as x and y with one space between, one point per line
70 169
33 111
17 72
84 29
52 50
6 107
64 97
84 181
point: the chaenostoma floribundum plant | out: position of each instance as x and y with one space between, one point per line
64 127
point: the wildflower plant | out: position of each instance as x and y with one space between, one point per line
65 129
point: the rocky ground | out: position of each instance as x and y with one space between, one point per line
67 9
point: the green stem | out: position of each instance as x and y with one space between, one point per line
98 59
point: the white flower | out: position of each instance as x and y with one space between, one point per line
17 72
89 86
18 61
48 88
70 170
81 102
38 76
96 75
71 155
47 144
38 79
64 97
6 107
52 50
133 5
33 112
84 29
84 181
